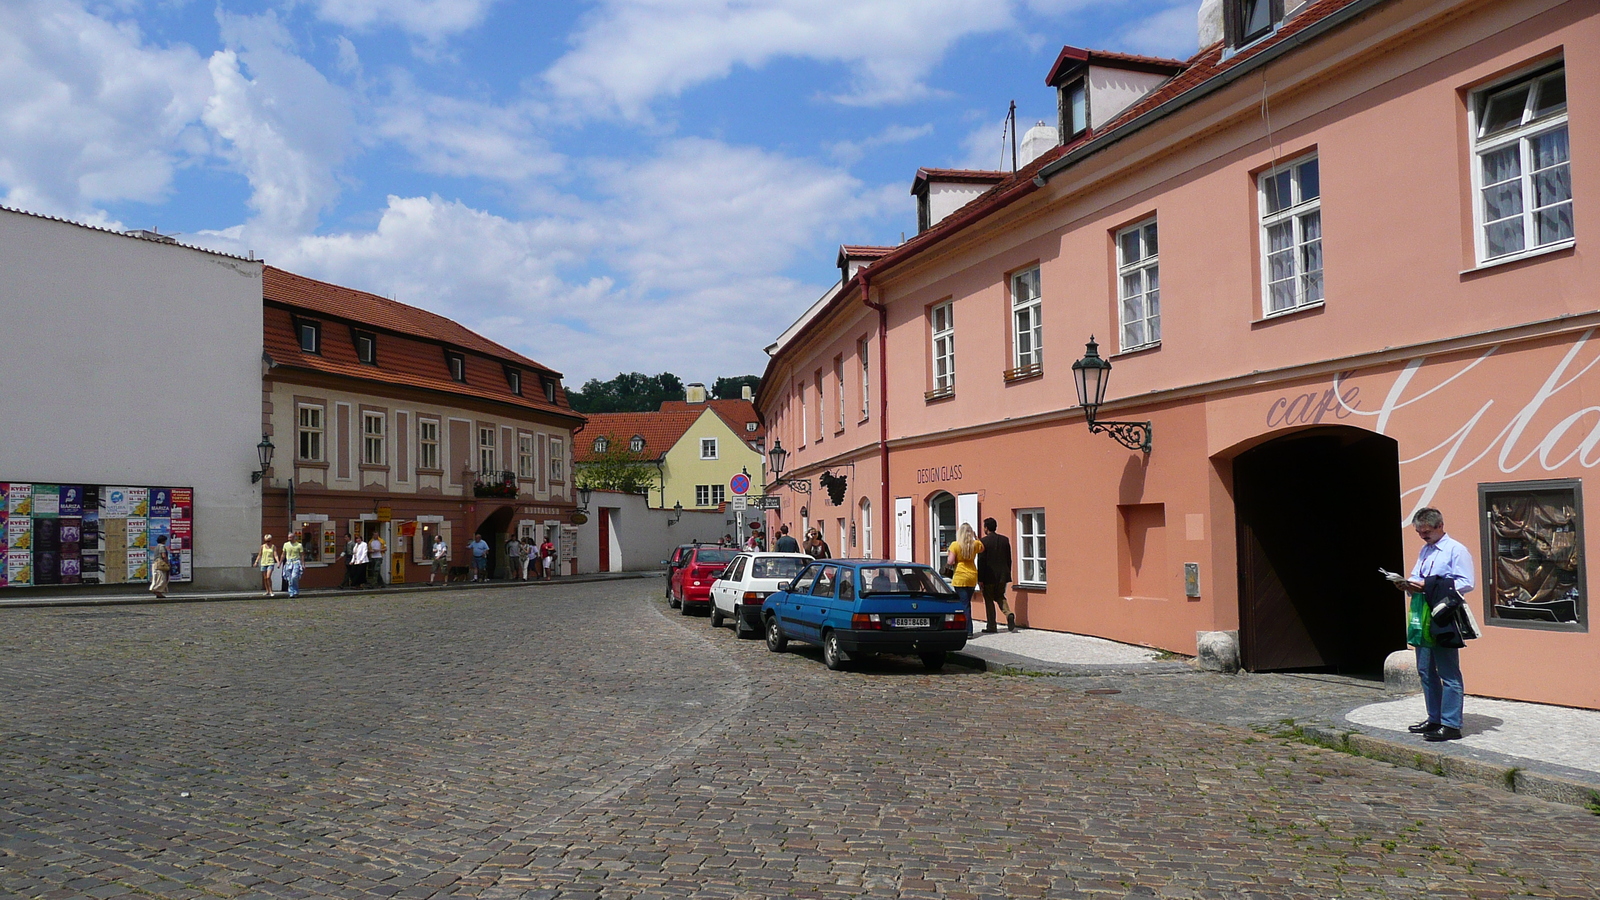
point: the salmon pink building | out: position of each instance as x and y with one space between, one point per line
1336 262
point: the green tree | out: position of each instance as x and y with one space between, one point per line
617 469
728 388
628 392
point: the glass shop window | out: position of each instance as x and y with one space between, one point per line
1533 571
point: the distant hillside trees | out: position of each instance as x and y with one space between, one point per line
638 392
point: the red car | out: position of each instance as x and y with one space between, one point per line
691 581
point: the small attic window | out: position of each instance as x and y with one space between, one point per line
1074 99
637 444
514 381
310 334
601 445
457 364
1250 20
550 389
749 426
366 347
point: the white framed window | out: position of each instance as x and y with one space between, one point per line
838 391
373 445
601 445
942 330
1027 333
800 392
818 378
310 336
310 419
1073 98
1030 546
428 444
558 461
636 445
488 460
1291 236
514 381
708 448
709 494
458 366
366 347
526 459
866 527
862 348
1139 286
1249 20
1522 171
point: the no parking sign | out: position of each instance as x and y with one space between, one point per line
739 483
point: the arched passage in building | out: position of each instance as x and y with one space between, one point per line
494 529
1318 512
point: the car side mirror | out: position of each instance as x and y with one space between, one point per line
785 585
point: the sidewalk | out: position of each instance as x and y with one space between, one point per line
136 593
1551 752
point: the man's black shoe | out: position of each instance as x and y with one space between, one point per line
990 630
1445 733
1425 728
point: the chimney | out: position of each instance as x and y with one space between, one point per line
1038 141
1210 22
694 392
745 393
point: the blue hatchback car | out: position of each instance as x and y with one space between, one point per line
850 607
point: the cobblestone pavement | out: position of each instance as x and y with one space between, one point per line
586 743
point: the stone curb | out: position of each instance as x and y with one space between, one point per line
1002 663
231 596
1511 779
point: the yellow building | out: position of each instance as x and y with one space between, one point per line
694 447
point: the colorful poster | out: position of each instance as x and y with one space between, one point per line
115 503
137 570
136 528
46 501
71 500
138 502
89 568
19 534
71 532
113 562
19 568
183 499
19 499
155 530
184 569
161 503
182 534
71 570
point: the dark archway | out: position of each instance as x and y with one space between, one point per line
1318 513
494 529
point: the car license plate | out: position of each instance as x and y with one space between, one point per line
919 622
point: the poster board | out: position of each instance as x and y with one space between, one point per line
71 534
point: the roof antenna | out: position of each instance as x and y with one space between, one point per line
1011 128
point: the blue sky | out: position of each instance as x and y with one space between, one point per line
650 185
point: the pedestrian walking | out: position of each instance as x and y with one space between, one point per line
348 556
1442 574
267 559
358 563
816 546
160 568
994 573
441 560
293 563
756 541
547 558
962 559
480 558
786 542
514 567
377 573
530 556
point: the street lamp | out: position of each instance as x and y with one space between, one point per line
583 499
677 513
775 460
264 454
1090 375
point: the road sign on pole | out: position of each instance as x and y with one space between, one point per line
738 503
770 501
739 484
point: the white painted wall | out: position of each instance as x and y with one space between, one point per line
945 197
127 361
1113 90
643 533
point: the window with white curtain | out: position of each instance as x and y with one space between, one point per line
488 460
525 456
1139 280
1027 334
866 379
427 443
372 439
1523 174
311 432
942 329
558 461
1291 235
1030 546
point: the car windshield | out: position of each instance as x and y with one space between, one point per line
777 567
715 556
903 580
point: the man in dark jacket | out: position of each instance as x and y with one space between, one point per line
786 542
994 573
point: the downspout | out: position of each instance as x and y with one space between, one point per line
884 517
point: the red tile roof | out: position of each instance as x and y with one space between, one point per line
1073 57
737 412
410 342
958 176
660 429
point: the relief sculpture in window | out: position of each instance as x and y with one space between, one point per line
1536 555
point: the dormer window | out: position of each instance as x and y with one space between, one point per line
550 389
637 444
366 347
514 381
601 445
1074 99
1249 20
749 426
458 366
310 336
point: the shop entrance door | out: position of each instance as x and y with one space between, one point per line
1318 513
941 526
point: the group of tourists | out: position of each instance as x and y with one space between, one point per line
522 554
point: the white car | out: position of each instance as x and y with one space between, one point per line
745 585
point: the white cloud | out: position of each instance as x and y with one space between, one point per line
287 128
1172 32
852 152
465 138
430 20
90 112
632 51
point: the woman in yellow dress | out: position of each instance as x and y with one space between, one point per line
963 559
266 558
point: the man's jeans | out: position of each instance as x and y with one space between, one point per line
1440 670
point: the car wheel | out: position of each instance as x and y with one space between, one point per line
933 660
716 616
833 656
776 642
683 607
673 601
739 629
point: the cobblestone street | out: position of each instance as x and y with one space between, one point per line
585 741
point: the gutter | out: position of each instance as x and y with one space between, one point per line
1205 88
883 405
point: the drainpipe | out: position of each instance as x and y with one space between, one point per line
885 519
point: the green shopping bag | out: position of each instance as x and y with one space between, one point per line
1418 620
